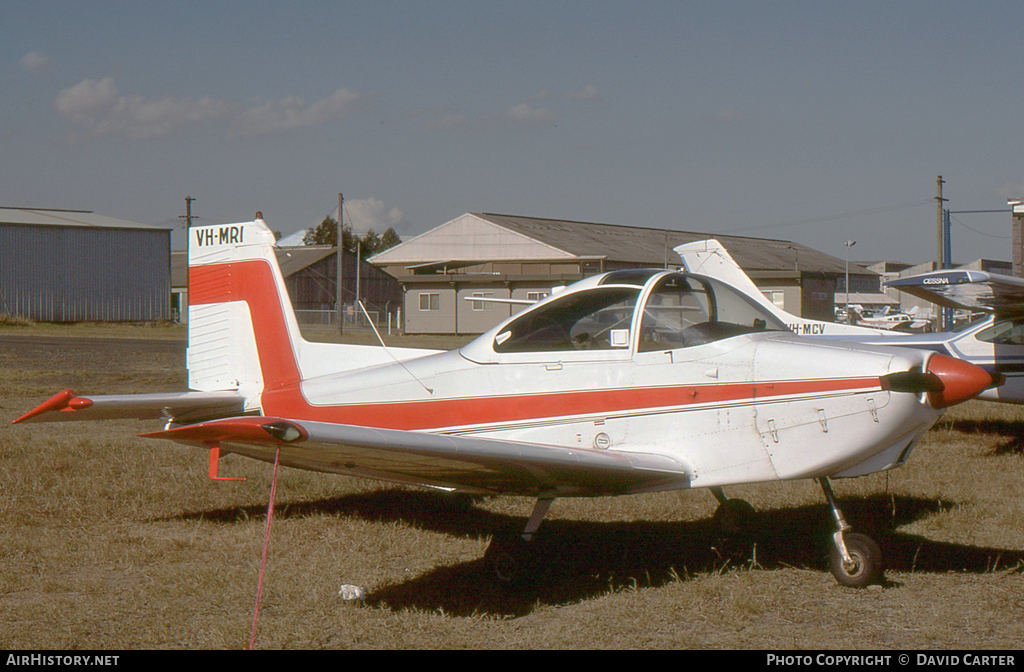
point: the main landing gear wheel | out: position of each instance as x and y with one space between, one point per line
733 527
734 517
509 559
865 565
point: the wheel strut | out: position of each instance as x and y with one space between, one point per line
540 509
510 557
857 560
841 523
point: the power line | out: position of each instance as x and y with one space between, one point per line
980 233
847 215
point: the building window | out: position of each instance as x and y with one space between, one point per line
430 301
483 305
536 296
778 298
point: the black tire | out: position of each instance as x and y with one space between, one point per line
734 517
867 559
509 560
733 530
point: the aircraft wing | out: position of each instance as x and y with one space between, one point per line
971 290
180 406
467 464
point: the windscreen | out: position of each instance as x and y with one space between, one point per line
598 319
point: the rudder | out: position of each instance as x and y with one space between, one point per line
242 330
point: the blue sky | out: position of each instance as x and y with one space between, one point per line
811 121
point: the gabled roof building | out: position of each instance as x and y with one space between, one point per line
486 255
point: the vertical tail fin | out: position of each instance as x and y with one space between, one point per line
243 334
709 257
242 330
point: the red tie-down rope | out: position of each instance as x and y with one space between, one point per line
266 545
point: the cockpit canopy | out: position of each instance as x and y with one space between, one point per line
643 309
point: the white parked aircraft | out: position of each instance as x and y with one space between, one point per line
628 382
995 343
891 321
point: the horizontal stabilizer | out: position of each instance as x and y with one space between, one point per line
176 406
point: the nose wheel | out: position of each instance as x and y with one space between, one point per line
856 558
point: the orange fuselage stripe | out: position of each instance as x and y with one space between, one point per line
253 282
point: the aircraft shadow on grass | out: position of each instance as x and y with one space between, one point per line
577 560
1010 433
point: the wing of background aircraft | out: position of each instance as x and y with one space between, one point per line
971 290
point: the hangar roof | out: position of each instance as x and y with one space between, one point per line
54 217
481 237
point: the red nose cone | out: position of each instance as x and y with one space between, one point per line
961 380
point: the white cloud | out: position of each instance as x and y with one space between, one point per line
588 92
363 214
97 109
524 113
291 112
35 62
447 122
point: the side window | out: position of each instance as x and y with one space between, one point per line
1006 332
594 320
483 305
430 301
683 311
676 304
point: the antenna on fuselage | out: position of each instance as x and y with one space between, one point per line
400 363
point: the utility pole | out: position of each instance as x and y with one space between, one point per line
339 299
848 244
945 314
939 200
188 211
183 306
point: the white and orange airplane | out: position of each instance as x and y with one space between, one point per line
628 382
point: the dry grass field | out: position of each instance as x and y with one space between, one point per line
108 541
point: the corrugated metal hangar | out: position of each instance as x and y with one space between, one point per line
502 256
74 265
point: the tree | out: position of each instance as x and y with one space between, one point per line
371 243
327 234
389 239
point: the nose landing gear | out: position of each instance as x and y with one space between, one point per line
856 558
